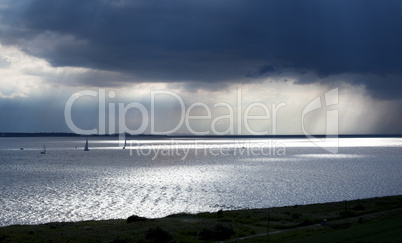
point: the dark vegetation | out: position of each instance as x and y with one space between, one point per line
366 220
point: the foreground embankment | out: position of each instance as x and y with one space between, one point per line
374 219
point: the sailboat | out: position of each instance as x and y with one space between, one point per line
125 143
86 146
44 150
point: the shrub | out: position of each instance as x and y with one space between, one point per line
359 207
295 215
135 218
347 214
218 232
158 235
306 222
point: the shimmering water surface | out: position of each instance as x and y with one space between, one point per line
158 177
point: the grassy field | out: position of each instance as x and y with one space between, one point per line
366 220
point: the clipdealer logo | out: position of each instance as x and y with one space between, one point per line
241 116
331 141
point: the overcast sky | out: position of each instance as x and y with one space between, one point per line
278 53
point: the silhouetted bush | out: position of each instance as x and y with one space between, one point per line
218 232
3 238
359 207
295 215
306 222
206 234
347 214
135 218
158 235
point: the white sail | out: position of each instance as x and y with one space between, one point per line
86 146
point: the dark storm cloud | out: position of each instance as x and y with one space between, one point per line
215 41
261 71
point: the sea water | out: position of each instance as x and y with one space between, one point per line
154 177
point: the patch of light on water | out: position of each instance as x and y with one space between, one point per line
330 156
370 142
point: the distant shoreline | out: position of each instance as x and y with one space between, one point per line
60 134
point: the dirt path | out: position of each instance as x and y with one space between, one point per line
270 233
368 215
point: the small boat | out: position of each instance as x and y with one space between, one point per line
21 148
86 146
44 150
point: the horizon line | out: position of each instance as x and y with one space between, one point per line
70 134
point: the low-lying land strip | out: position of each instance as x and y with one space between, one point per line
374 220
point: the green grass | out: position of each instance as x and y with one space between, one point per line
366 220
